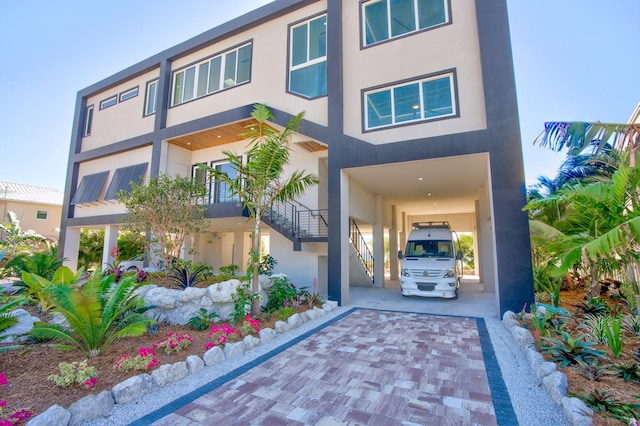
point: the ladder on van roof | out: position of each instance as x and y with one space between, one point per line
425 225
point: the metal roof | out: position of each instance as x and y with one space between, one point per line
20 192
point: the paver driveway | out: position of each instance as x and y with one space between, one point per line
366 367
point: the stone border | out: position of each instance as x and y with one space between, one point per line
92 407
554 381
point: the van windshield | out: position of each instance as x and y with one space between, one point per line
429 248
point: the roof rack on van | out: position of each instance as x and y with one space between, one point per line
425 225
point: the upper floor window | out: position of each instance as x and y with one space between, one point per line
88 120
109 102
128 94
418 100
42 214
220 190
200 175
226 70
150 98
386 19
308 57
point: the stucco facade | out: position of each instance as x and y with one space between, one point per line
437 94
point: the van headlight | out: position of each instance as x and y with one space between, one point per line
449 273
404 272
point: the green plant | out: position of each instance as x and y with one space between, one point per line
202 319
230 270
544 281
603 402
594 326
243 298
221 334
593 306
284 313
571 350
75 372
548 322
43 263
37 288
615 339
174 342
7 320
281 290
631 323
98 312
249 325
183 277
628 372
591 371
267 264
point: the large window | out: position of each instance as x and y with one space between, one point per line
150 98
386 19
220 190
423 99
308 58
220 72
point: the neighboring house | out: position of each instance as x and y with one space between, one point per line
411 115
38 209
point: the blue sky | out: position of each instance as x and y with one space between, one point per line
573 59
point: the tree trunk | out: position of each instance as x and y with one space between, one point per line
255 262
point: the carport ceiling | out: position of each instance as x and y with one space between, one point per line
437 186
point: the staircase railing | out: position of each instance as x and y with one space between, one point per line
299 220
360 245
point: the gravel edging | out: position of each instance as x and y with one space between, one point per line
142 394
545 374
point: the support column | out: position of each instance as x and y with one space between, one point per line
344 242
393 246
71 247
110 241
378 243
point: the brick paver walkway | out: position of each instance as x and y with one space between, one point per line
366 368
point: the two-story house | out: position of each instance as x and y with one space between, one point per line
411 114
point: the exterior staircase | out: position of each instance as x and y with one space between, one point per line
298 223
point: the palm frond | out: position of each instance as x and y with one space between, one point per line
576 135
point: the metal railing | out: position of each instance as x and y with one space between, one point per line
299 220
360 245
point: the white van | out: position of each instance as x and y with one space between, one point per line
430 266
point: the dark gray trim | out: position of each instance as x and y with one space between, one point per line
409 34
115 148
363 103
111 219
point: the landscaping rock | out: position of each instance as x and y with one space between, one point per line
321 312
16 332
556 384
191 294
213 356
510 320
169 373
226 311
523 338
90 407
330 305
577 412
294 321
161 298
267 334
545 369
311 314
251 342
281 327
223 292
55 415
132 389
195 364
234 349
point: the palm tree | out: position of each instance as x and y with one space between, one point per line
578 135
259 183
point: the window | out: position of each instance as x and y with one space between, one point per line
150 98
88 120
42 214
308 58
128 94
419 100
109 102
221 192
386 19
218 73
202 176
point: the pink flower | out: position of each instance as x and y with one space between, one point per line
3 403
154 363
5 422
209 345
3 380
90 383
21 415
145 352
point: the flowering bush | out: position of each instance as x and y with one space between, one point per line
16 418
174 342
249 326
75 372
221 334
145 360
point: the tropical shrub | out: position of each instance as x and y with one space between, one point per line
98 312
7 320
267 263
571 350
43 263
37 288
75 373
202 319
603 402
281 291
628 372
174 342
183 277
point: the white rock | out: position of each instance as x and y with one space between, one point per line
24 326
267 334
294 321
162 298
169 373
222 292
90 407
55 415
234 349
281 327
556 384
195 364
213 356
191 294
251 342
132 389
